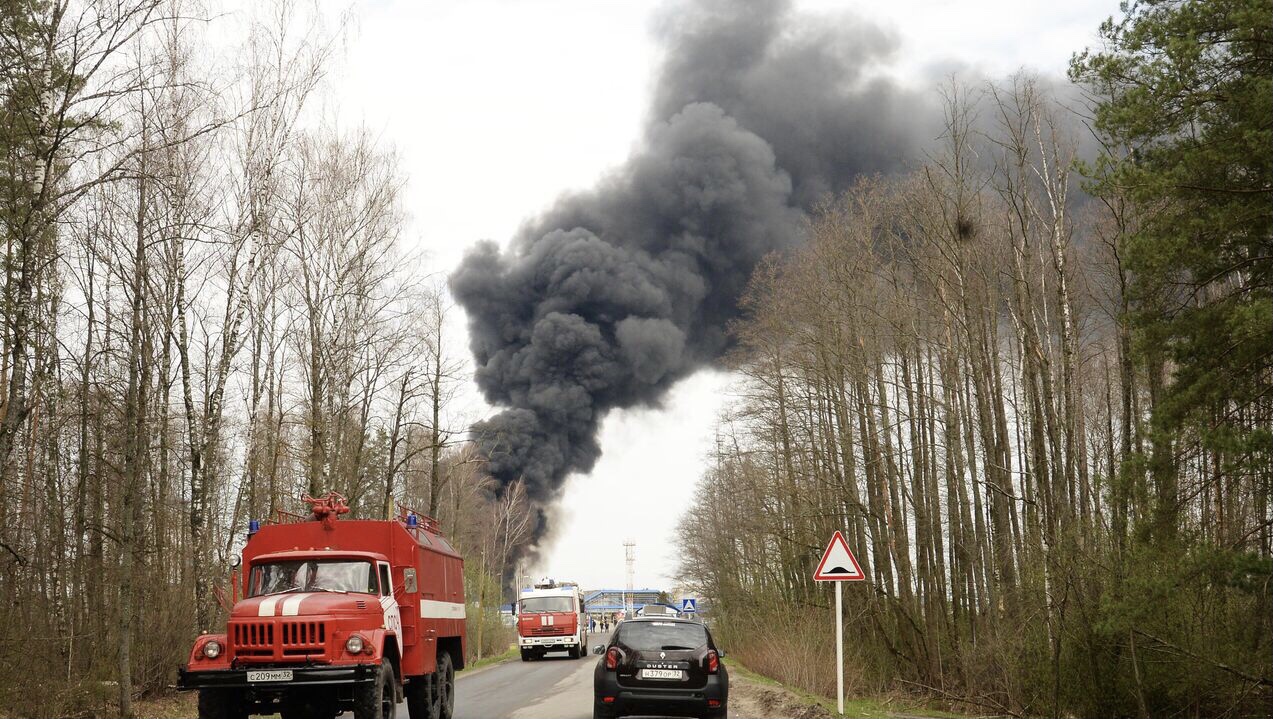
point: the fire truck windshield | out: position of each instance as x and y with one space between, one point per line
312 575
547 604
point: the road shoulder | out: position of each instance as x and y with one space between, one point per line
755 696
752 696
485 663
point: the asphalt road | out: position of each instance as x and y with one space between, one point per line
555 687
558 687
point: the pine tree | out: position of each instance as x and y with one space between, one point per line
1184 99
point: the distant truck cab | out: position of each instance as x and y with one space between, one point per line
550 618
337 615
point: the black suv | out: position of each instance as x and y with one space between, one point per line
662 666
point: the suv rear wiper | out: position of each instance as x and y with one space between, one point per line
674 646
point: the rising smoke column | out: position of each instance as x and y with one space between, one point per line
613 295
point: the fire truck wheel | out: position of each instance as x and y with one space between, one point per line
376 699
573 652
525 655
422 698
221 704
446 686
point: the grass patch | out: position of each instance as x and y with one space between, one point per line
858 707
509 655
171 705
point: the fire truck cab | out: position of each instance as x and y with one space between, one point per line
337 615
550 618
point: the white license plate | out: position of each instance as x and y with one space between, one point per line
662 674
271 675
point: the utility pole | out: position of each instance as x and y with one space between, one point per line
629 555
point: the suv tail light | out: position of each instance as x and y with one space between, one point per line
612 658
713 662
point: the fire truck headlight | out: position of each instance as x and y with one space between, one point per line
212 649
354 644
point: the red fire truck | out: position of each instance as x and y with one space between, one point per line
337 615
551 619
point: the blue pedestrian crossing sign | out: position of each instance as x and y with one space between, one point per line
689 606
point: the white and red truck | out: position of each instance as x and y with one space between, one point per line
337 615
551 618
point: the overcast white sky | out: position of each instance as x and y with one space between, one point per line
498 106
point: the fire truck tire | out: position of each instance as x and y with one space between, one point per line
446 686
376 699
221 704
525 655
422 698
573 652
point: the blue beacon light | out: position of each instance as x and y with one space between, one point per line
413 521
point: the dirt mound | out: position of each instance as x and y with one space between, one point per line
749 700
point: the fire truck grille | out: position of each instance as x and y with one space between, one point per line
261 639
304 637
548 632
253 638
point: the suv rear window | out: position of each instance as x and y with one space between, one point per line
649 636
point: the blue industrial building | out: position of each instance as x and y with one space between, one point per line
608 601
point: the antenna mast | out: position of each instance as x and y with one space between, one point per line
629 555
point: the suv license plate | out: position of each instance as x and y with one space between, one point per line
662 674
272 675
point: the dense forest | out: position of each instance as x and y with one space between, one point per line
208 311
1034 386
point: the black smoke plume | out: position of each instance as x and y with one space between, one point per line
613 295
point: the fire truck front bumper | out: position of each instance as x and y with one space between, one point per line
569 640
276 678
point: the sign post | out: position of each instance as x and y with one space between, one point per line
839 647
839 565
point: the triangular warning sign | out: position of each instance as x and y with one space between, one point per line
838 563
